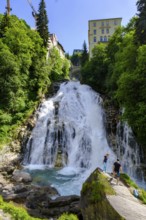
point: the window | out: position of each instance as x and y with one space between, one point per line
102 31
102 23
105 38
115 22
94 40
94 31
107 31
107 23
101 38
94 24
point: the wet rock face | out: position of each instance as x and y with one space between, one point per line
111 120
20 176
93 201
47 207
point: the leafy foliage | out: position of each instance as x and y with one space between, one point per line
133 101
59 66
141 22
25 74
76 59
94 71
127 181
67 216
84 55
124 60
142 195
17 213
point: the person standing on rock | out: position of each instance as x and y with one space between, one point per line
117 168
105 162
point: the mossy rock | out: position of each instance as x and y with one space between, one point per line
94 204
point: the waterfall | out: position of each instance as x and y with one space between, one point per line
70 129
70 124
129 151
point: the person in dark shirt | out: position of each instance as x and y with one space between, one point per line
117 168
105 162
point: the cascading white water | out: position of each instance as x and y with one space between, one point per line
71 122
129 151
70 127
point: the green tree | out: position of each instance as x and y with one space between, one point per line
25 74
76 59
94 72
112 48
39 70
10 82
141 22
65 68
42 23
4 24
125 60
131 95
84 55
59 66
25 51
67 56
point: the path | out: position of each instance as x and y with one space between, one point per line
126 204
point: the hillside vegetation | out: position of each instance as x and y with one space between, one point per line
25 73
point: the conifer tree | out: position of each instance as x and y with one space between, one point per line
42 22
84 56
141 22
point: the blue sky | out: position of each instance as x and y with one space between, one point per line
68 19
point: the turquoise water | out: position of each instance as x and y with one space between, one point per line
67 181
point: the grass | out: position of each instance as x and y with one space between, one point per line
17 213
127 181
130 183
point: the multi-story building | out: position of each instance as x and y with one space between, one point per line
77 51
99 31
53 42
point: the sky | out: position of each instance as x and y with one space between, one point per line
68 19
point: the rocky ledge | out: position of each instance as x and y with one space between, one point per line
104 200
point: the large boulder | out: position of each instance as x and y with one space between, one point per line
93 202
21 176
41 205
27 194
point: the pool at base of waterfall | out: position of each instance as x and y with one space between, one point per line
67 181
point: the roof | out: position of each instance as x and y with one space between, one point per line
61 46
105 19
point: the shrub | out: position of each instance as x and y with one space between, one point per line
127 181
17 213
142 195
67 216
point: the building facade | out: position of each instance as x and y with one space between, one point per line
99 31
77 51
53 42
